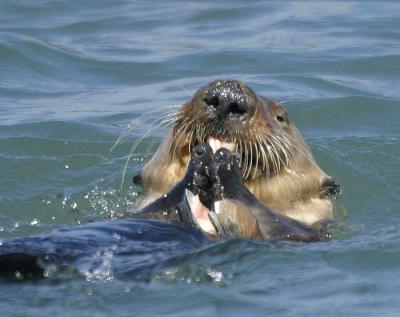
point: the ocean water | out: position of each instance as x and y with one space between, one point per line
74 74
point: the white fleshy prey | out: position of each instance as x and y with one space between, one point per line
199 212
217 144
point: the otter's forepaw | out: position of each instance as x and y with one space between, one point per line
198 181
224 169
224 164
329 188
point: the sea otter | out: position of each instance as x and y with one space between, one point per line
210 200
213 198
276 164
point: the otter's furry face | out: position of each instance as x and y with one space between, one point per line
229 114
275 162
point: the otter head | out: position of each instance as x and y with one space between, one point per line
276 164
227 113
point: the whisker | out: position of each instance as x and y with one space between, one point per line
264 157
240 150
189 139
270 153
251 159
288 145
133 123
152 142
182 130
282 150
245 159
257 156
275 144
135 145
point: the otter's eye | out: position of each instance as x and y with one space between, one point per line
280 118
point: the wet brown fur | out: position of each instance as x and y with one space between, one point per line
288 179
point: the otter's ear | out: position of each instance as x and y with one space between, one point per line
137 179
329 188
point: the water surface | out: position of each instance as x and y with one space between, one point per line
73 74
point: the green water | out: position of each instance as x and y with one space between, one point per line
73 75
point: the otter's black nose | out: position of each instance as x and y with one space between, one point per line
226 98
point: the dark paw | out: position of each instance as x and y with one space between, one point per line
224 164
224 173
198 182
202 153
212 174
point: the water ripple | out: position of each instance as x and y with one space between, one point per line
74 74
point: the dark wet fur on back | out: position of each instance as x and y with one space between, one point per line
134 248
